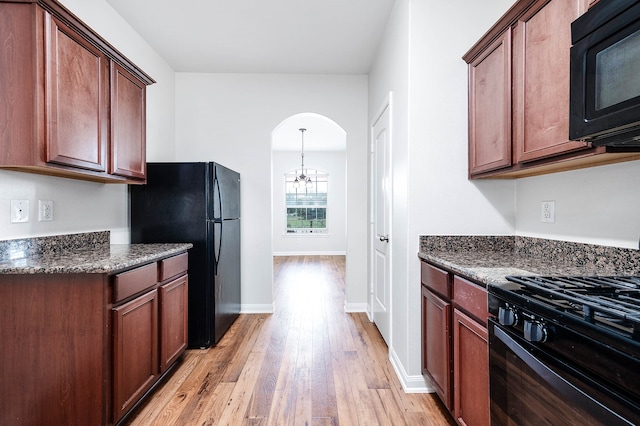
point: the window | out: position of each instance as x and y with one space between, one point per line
307 206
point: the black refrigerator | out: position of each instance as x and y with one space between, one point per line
197 203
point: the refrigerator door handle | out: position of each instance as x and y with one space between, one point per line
217 246
218 198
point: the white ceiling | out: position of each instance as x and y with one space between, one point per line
261 36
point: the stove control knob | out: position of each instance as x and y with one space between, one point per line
507 316
535 331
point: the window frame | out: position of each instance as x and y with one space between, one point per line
315 174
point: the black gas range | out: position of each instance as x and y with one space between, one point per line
565 350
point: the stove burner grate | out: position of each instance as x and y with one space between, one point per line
607 301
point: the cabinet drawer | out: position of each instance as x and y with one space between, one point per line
470 298
436 279
173 266
131 282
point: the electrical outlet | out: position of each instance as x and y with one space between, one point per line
19 211
45 210
548 212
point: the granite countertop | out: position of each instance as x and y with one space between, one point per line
88 253
489 259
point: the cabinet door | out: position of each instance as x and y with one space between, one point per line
470 371
542 40
135 347
490 107
128 104
436 343
77 91
173 321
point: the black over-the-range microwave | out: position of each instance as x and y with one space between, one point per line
605 75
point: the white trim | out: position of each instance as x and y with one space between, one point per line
355 307
370 313
257 308
386 105
308 234
410 384
310 253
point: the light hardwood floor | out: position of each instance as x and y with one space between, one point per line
309 363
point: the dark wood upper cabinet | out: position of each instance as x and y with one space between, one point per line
77 107
490 107
519 95
73 106
542 39
128 147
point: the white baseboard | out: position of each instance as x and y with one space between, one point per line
355 307
410 384
257 309
310 253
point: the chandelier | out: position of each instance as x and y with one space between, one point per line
302 180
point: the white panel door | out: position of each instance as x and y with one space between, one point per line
381 294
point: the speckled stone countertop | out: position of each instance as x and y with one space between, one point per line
489 259
88 253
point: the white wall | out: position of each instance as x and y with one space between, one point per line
420 62
389 79
87 206
78 206
599 205
229 118
332 162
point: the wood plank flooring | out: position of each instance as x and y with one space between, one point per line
309 363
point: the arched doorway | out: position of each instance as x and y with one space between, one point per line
325 152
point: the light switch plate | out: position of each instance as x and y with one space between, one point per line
19 211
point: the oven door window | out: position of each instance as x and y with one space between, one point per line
528 389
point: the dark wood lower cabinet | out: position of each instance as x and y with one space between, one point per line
436 344
135 351
53 349
150 331
455 352
83 349
470 371
173 321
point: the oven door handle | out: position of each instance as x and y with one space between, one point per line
567 389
